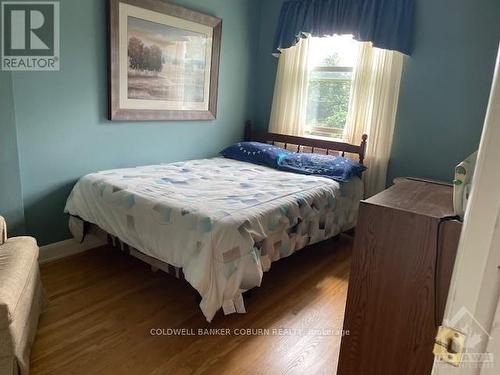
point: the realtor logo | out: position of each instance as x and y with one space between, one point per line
30 35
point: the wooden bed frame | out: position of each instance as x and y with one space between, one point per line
292 143
311 145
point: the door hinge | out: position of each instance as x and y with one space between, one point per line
449 345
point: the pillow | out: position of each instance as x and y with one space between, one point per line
336 168
255 152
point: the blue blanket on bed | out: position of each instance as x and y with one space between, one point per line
336 168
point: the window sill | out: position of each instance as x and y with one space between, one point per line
333 137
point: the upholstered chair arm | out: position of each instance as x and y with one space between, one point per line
3 231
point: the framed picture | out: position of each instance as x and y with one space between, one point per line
164 62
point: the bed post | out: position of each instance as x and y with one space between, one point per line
362 151
248 131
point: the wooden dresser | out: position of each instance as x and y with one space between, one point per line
398 287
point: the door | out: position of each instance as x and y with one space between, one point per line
473 300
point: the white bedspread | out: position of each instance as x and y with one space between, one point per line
223 221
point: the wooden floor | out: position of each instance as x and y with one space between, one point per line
103 305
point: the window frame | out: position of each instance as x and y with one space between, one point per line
323 131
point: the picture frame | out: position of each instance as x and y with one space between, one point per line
163 62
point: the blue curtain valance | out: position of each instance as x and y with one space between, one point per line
387 24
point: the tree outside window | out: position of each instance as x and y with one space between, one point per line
331 62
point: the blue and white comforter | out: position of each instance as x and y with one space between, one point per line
222 221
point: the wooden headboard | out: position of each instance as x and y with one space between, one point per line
303 144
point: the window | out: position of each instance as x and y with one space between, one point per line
331 61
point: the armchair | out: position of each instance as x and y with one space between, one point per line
21 300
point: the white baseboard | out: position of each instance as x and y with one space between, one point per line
70 247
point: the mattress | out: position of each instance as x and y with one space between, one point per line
222 221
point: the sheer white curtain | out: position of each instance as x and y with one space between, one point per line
288 114
372 110
372 107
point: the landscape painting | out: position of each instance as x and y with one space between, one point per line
164 62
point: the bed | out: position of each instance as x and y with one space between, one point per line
219 222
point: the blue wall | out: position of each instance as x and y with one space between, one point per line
445 84
267 64
445 87
11 200
61 116
54 129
